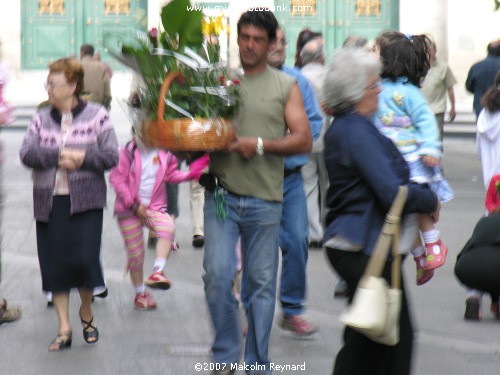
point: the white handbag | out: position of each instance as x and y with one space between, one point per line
375 308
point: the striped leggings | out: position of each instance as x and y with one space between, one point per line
131 228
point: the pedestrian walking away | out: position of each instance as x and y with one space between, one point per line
482 74
438 85
96 82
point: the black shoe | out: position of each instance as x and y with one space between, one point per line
90 331
152 241
198 241
341 289
341 293
103 294
316 244
472 309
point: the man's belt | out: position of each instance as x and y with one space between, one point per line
289 172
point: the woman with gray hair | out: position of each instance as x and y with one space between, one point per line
365 170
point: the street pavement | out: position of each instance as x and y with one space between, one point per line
177 336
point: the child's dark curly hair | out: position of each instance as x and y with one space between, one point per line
404 55
491 99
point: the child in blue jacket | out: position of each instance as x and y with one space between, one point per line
405 117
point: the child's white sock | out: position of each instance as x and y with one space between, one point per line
139 289
418 251
431 236
159 264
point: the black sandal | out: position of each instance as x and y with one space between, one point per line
89 331
63 341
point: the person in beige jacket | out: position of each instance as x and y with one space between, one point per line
96 81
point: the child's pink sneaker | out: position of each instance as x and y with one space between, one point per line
158 281
436 255
423 276
144 302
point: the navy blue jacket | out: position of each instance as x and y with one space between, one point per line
365 170
481 77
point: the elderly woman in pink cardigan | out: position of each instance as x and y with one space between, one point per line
69 145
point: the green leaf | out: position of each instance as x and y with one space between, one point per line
177 19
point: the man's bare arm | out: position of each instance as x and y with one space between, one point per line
297 141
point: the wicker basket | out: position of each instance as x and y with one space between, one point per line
185 134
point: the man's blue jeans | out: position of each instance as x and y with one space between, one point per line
293 240
257 222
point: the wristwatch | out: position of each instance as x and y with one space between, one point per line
260 147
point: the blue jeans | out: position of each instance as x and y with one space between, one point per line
257 222
294 243
293 240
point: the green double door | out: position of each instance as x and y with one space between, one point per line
52 29
335 19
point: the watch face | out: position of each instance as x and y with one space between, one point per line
260 147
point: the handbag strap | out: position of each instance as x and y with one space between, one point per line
396 258
389 235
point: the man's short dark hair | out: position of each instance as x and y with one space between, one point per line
262 19
87 50
494 48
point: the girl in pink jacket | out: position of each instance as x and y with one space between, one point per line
141 199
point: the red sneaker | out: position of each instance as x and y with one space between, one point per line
144 302
158 280
297 325
423 276
436 255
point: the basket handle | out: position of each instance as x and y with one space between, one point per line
163 92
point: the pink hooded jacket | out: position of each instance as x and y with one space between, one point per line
126 177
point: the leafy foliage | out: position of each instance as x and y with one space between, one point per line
188 44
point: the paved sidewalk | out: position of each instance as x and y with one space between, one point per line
177 336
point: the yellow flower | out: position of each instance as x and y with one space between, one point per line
205 27
213 26
218 25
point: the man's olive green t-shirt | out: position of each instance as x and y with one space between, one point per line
262 115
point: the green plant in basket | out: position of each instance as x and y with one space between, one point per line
188 44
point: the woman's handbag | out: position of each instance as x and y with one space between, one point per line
375 308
